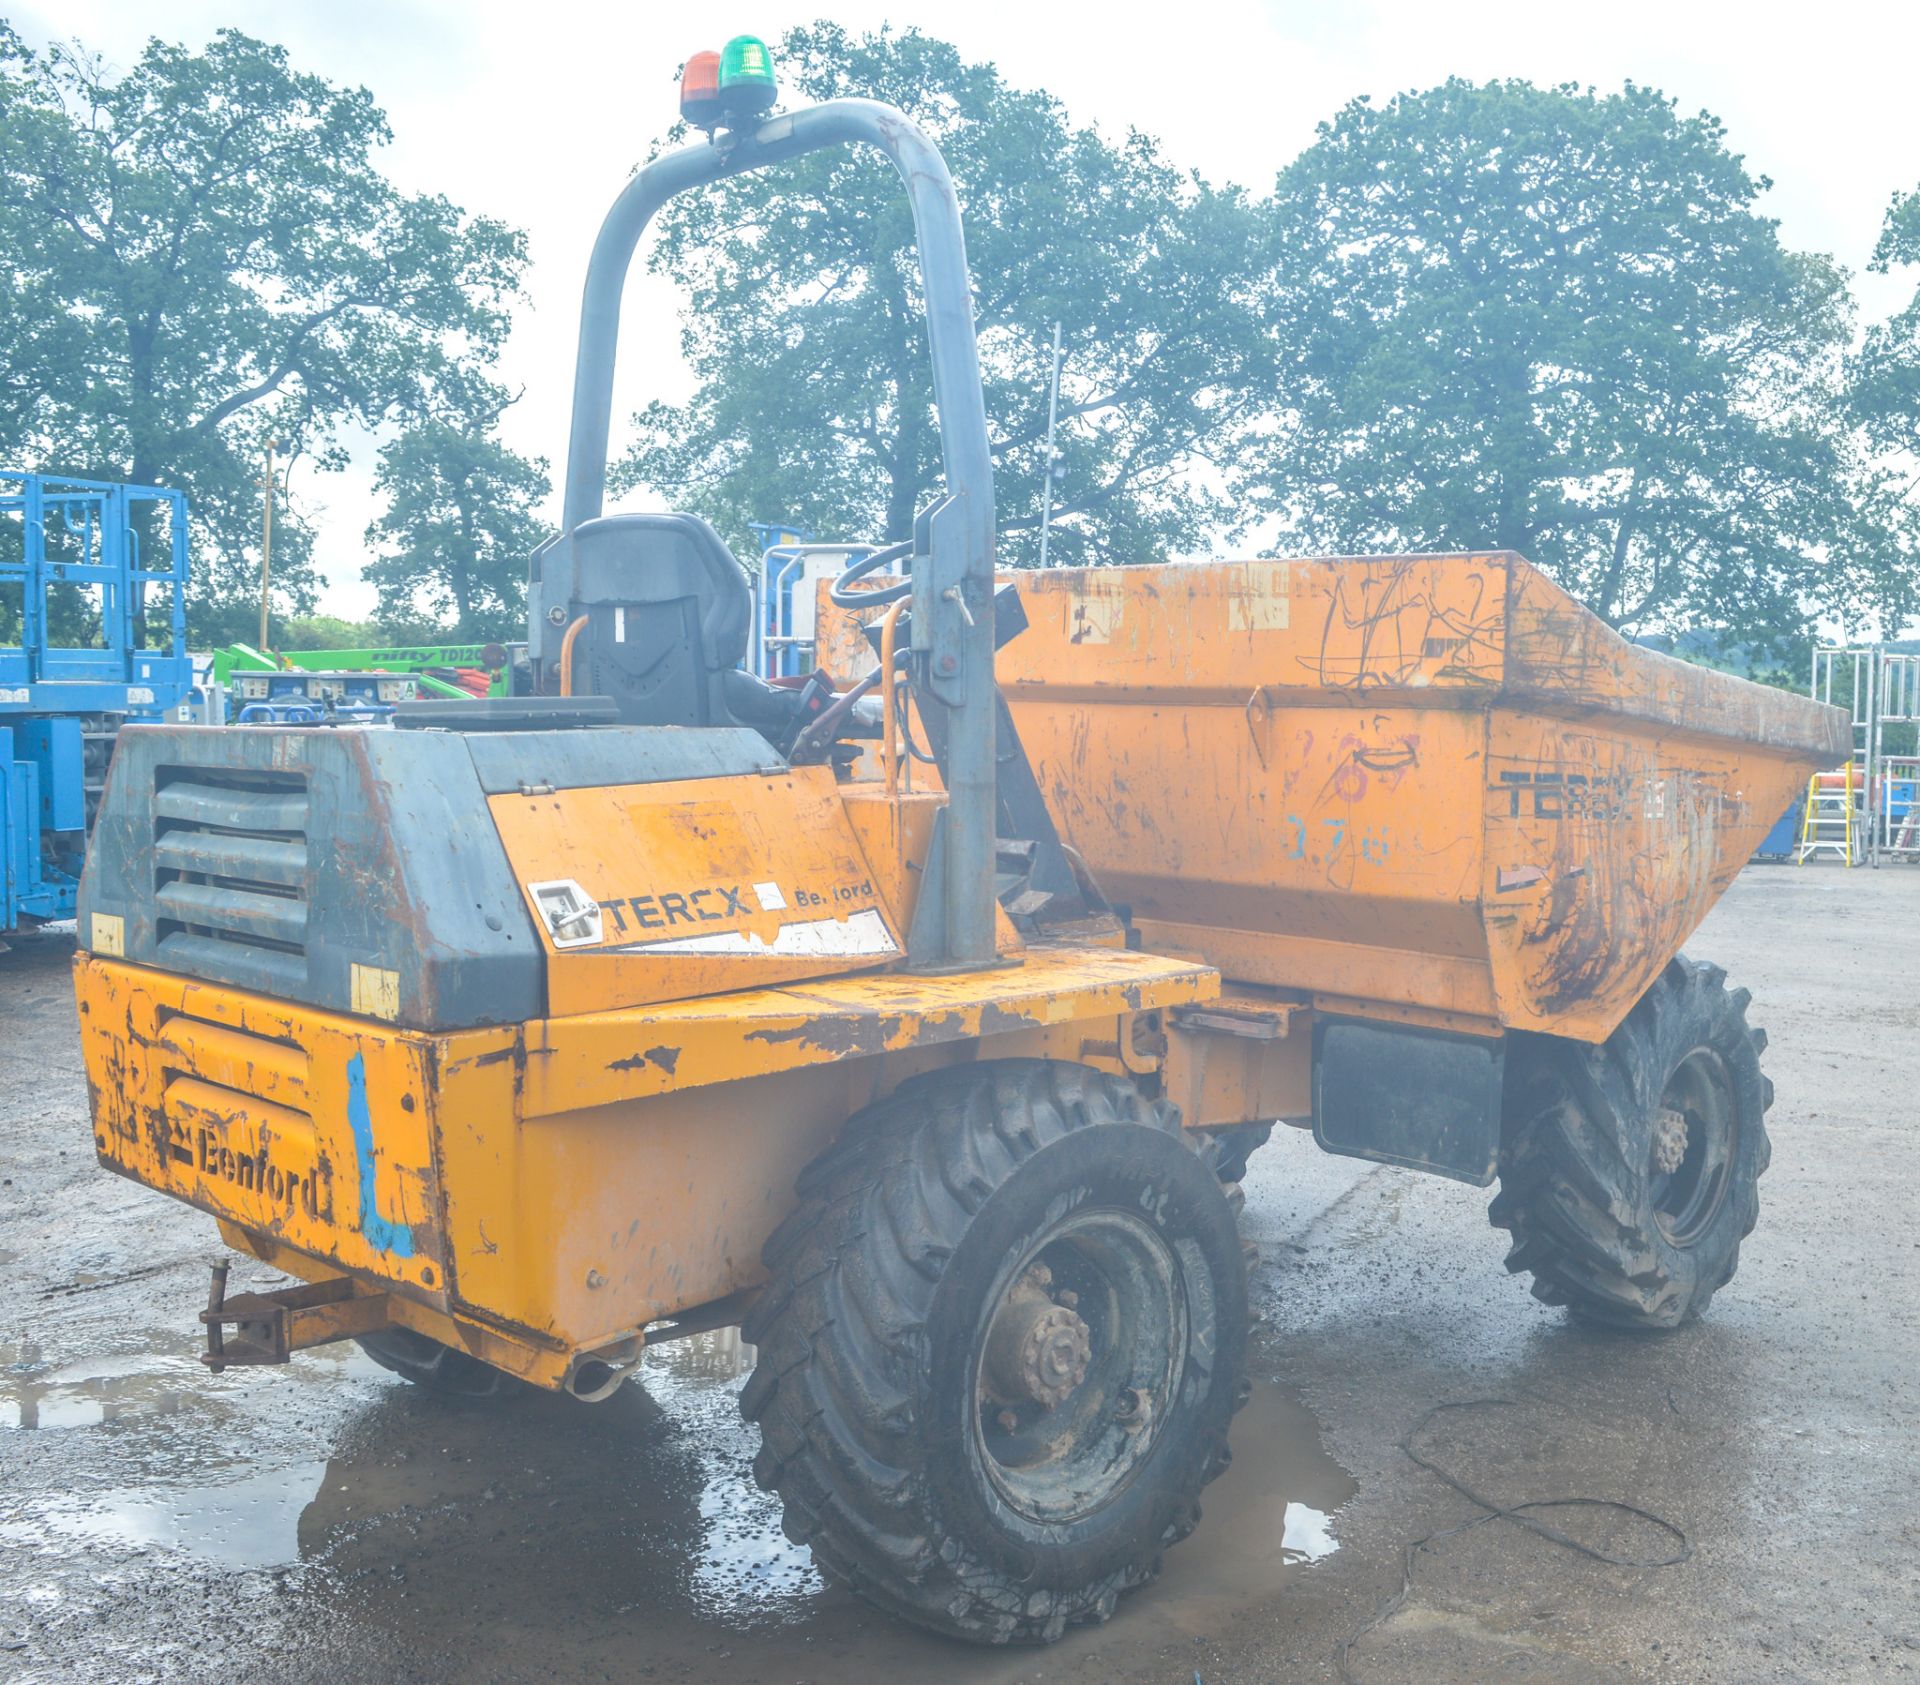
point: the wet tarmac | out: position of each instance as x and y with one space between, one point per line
326 1522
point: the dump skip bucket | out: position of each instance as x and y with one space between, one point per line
1429 784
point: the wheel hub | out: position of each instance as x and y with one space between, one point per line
1079 1362
1038 1349
1669 1140
1696 1134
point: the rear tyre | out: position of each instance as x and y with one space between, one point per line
1629 1172
999 1350
429 1364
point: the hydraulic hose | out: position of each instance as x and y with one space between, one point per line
566 656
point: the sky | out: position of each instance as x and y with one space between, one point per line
536 114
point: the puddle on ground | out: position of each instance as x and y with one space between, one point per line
720 1355
746 1570
250 1522
528 1521
1267 1516
38 1394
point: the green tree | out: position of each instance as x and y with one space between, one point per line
807 335
327 631
202 254
1553 321
461 521
1886 383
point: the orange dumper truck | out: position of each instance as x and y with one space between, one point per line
529 1031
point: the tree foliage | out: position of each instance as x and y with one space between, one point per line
1886 382
1887 372
1482 315
329 631
202 254
807 336
1554 321
460 522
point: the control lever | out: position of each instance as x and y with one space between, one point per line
815 697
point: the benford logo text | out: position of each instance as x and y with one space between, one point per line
311 1188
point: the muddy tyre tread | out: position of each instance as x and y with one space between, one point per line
860 1261
1576 1142
1227 1150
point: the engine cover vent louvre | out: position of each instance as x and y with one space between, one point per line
230 872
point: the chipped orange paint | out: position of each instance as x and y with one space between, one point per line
568 1181
600 1058
242 1106
1433 782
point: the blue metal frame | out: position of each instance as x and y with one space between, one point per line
79 532
777 594
96 541
294 710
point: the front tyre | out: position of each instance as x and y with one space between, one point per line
1000 1348
1629 1172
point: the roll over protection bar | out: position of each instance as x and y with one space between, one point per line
953 567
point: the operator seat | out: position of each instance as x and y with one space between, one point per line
667 610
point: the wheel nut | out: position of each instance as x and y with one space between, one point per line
1066 1296
1669 1140
1008 1421
1037 1351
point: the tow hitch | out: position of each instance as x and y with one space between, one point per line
271 1327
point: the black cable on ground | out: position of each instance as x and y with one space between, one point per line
1516 1513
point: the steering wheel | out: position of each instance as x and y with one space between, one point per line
841 594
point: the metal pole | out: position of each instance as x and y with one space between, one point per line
266 546
1872 796
1053 412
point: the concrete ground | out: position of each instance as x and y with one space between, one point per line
324 1522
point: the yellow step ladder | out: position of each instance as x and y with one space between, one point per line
1827 823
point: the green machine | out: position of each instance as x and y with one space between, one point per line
264 684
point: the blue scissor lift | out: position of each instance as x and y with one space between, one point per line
93 633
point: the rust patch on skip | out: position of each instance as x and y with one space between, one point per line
848 1037
661 1058
996 1019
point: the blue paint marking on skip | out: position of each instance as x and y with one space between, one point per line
382 1236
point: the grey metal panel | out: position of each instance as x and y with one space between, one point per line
278 918
573 760
266 971
248 810
403 869
422 874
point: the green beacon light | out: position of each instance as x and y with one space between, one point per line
746 76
